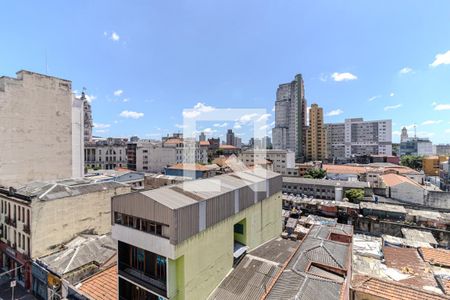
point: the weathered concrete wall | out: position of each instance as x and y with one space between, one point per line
35 128
438 199
408 193
57 221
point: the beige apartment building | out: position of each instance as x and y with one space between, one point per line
36 218
41 129
316 142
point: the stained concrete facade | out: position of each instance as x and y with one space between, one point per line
36 129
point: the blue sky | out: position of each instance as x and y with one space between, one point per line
143 62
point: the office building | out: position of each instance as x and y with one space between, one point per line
416 146
289 132
41 125
190 235
316 143
202 137
442 149
230 137
357 137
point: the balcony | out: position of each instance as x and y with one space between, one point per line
10 221
142 279
26 229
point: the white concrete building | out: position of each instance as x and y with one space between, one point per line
41 129
152 157
358 137
282 160
187 151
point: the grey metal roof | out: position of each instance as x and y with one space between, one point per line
81 251
63 188
325 182
191 192
382 207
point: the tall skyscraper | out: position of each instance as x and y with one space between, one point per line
230 137
289 132
202 137
315 138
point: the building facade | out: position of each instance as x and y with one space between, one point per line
282 160
357 137
230 137
416 146
88 123
106 154
42 129
316 143
152 157
189 244
442 149
40 216
289 132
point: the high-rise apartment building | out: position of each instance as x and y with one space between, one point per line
41 124
230 137
357 137
316 143
289 132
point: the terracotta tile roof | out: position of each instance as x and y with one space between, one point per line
101 286
440 257
203 143
343 169
394 179
190 167
173 141
391 290
228 147
408 261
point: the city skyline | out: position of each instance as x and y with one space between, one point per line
353 64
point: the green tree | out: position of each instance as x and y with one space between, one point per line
354 195
315 173
412 161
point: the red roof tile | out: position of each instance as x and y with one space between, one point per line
440 257
391 290
101 286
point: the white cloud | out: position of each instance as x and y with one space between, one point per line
273 108
323 77
118 93
431 122
126 100
441 106
343 76
263 118
272 124
209 131
264 127
114 36
391 94
131 114
374 98
89 98
405 70
441 59
409 127
181 126
101 125
398 133
335 112
221 125
244 119
197 110
391 107
237 126
425 134
447 130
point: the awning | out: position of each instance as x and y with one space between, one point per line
239 249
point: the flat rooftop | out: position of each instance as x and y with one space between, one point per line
325 182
